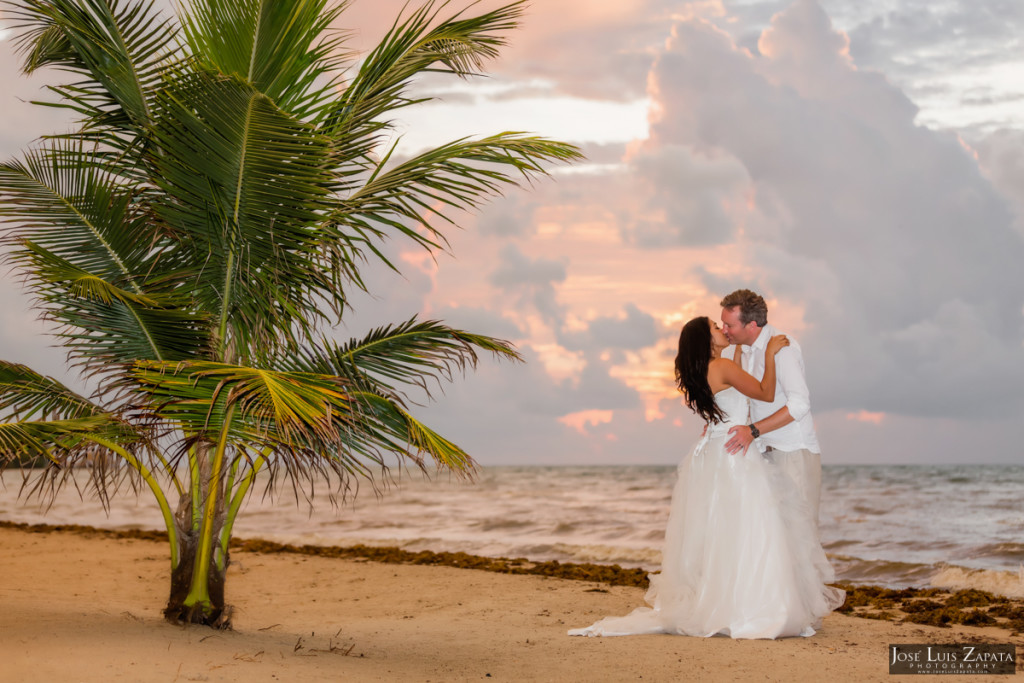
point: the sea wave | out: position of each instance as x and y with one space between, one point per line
941 575
1010 584
648 558
1008 550
889 573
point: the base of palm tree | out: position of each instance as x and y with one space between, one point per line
192 604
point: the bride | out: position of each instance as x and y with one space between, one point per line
741 555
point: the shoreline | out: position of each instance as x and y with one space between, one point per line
530 512
613 575
940 607
85 605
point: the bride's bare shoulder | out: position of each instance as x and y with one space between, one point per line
722 363
720 367
718 374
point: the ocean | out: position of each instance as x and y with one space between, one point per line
945 526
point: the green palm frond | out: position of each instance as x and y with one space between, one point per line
105 336
420 43
459 175
57 439
101 440
104 326
119 48
19 443
63 199
299 416
26 394
231 168
279 48
87 251
387 426
264 406
407 353
57 272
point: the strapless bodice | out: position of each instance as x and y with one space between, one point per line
734 407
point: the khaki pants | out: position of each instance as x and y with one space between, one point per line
804 468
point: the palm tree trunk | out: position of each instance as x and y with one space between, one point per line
197 580
197 590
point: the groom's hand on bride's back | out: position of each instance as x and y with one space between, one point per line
739 440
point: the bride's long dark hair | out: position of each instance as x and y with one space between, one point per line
692 369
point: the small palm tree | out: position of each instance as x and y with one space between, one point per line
197 235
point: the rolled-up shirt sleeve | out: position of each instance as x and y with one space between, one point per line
789 370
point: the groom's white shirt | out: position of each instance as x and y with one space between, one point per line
790 390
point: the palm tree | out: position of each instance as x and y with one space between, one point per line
196 237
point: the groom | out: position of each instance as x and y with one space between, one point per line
784 426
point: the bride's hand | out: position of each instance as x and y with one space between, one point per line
776 344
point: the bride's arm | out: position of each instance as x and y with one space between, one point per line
734 375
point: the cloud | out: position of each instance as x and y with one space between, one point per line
890 33
687 198
518 413
956 59
632 330
480 320
532 280
890 239
508 216
865 416
584 418
801 42
603 52
1001 158
390 296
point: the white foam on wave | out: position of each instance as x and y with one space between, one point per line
610 554
1010 584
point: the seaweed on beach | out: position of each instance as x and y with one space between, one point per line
947 616
975 598
878 597
613 575
917 606
930 606
610 574
933 606
1012 612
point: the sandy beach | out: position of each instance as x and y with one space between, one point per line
86 607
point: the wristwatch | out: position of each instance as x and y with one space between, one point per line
754 431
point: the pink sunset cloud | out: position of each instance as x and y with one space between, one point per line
866 416
586 418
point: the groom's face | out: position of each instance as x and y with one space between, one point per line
735 331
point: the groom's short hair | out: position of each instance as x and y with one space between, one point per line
752 306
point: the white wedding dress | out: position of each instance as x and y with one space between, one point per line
741 556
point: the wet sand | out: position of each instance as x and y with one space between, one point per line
86 606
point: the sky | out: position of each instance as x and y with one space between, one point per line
858 163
